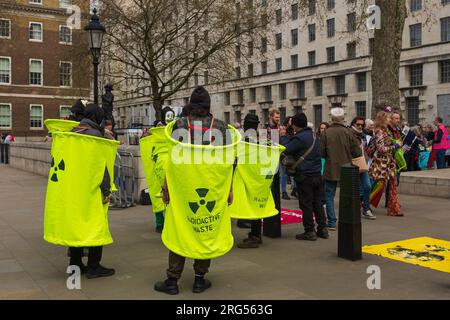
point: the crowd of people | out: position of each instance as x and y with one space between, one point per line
311 162
382 148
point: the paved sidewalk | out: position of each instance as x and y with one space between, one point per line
282 268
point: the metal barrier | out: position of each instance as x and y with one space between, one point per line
125 181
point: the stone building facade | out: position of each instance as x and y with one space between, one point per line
319 62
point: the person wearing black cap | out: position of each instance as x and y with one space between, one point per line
308 177
77 110
251 123
197 121
91 125
167 116
254 238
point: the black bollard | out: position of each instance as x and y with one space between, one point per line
349 231
272 225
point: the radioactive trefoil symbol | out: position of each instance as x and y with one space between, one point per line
61 166
202 192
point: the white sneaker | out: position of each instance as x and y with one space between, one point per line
369 215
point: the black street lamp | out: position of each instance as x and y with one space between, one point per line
95 33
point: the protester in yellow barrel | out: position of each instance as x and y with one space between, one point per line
257 163
154 155
197 223
81 222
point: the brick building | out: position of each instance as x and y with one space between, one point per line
44 63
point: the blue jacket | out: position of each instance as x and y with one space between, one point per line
298 145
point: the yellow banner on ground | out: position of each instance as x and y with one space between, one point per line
74 213
424 251
197 223
256 167
154 159
54 125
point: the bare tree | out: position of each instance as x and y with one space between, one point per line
387 45
162 44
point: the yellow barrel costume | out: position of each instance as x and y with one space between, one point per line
199 178
154 159
74 213
256 167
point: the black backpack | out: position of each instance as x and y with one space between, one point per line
145 198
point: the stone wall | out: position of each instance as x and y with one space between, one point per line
31 156
35 157
428 183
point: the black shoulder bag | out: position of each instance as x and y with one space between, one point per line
290 164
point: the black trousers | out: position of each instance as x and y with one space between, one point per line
255 229
176 266
94 257
311 193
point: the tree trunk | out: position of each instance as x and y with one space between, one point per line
157 105
387 49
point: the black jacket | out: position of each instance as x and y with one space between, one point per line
298 145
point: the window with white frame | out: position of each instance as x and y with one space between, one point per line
5 28
35 31
36 72
5 115
5 70
64 112
36 116
65 34
65 74
35 1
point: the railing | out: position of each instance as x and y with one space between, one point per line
125 181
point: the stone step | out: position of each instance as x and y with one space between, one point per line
430 183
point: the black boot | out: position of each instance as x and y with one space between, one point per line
308 236
168 286
323 233
99 271
200 284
